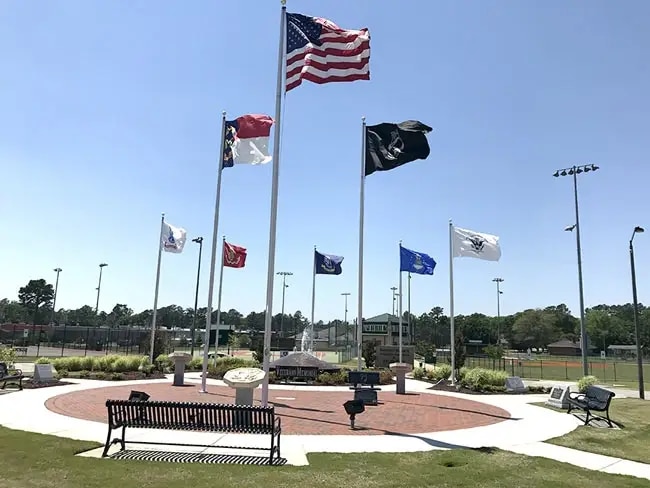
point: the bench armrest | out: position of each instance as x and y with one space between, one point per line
576 396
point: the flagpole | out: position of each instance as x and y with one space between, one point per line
274 207
408 305
400 309
155 297
313 304
452 329
216 341
360 277
213 260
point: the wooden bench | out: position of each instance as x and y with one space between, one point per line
595 399
201 417
14 376
364 384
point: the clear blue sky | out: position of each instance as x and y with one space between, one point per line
110 115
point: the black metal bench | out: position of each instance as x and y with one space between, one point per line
595 399
14 377
201 417
364 384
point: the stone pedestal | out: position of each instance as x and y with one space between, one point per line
180 360
244 381
400 370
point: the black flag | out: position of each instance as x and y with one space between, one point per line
391 145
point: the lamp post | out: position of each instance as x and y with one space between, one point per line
498 281
199 241
99 286
394 289
637 332
575 171
284 275
56 290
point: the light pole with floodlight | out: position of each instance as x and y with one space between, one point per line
637 332
575 171
498 281
99 286
199 241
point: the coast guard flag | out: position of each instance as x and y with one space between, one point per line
327 263
173 238
415 262
247 140
469 243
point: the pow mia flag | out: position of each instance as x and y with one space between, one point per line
391 145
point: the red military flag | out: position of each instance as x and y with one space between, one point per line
233 256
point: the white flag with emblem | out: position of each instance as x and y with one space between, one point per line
173 238
469 243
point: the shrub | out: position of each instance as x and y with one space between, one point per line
61 373
334 378
369 353
163 363
122 365
72 363
219 367
585 382
480 379
84 374
419 373
43 361
87 363
440 372
385 377
258 350
100 375
117 376
195 364
272 377
7 355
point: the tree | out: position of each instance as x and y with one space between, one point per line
535 328
369 353
35 294
12 312
459 349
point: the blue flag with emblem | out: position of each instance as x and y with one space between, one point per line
415 262
327 263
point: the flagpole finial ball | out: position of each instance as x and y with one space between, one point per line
363 118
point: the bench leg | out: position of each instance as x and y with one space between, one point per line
122 441
108 442
609 422
587 419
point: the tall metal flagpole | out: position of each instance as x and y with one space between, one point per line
213 260
274 206
155 297
313 304
361 211
408 305
400 309
452 329
216 340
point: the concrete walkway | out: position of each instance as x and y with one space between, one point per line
524 433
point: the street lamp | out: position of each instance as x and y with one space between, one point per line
284 275
575 171
199 241
99 286
498 281
637 333
345 319
394 289
56 290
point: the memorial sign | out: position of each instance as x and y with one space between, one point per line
559 397
390 354
515 385
296 372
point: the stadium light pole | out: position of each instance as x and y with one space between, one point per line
345 318
637 332
199 241
56 290
394 289
498 281
99 286
284 275
575 171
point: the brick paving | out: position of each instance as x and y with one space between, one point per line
307 412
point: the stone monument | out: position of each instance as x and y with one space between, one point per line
244 381
400 370
559 397
180 360
43 373
515 385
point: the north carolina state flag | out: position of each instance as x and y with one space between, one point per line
233 256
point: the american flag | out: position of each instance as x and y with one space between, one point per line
321 52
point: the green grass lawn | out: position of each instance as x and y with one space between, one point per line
631 441
35 461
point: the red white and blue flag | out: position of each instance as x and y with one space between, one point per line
321 52
247 140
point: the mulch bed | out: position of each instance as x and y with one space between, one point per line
32 385
446 385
